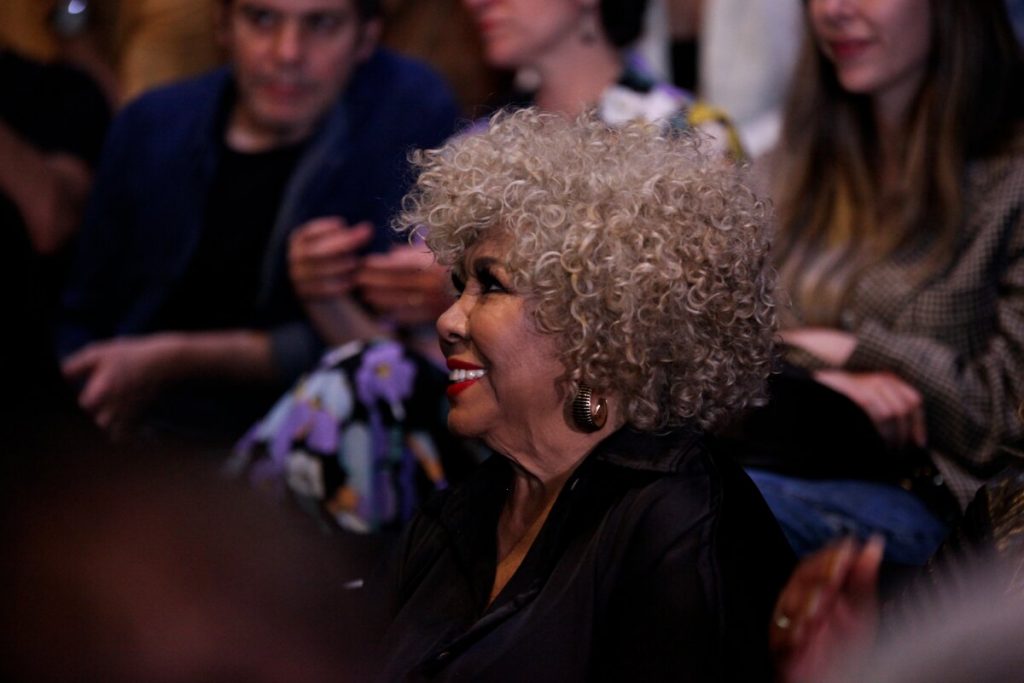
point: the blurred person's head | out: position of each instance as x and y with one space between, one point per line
889 101
522 33
966 629
291 61
139 569
878 49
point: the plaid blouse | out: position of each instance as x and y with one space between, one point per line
958 337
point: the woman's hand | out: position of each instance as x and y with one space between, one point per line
895 407
828 608
832 346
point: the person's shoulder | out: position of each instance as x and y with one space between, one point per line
406 69
161 123
670 495
392 77
706 493
181 100
64 80
395 103
692 491
1013 153
997 179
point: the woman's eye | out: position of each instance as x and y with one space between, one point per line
458 283
489 283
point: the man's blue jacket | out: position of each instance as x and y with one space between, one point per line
147 209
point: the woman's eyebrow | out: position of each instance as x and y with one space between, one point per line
485 263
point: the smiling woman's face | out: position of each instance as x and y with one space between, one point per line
878 47
503 372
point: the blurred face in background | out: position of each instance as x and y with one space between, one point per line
879 48
518 33
292 58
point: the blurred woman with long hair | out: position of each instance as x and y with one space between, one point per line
899 189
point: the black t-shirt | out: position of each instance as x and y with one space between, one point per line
223 280
219 291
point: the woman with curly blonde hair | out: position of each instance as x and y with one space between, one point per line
614 302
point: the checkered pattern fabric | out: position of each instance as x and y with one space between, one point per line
959 337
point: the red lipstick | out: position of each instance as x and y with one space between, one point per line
455 388
459 387
843 50
456 364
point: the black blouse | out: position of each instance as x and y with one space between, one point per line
658 561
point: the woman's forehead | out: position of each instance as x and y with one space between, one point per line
493 246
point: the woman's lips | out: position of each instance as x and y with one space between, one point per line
459 364
462 374
458 387
487 25
843 50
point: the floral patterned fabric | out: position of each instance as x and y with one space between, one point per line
359 440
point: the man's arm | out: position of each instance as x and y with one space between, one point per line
48 189
323 257
406 285
121 376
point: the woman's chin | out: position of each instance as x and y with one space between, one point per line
501 56
462 428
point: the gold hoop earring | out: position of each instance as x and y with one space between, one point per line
589 415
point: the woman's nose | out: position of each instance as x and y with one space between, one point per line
452 325
832 8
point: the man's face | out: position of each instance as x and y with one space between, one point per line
291 58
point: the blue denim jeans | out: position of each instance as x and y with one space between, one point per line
812 512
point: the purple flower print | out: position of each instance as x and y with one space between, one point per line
385 374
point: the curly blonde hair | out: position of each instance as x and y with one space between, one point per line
646 258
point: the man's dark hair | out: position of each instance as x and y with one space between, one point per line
623 20
366 9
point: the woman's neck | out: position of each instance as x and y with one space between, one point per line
891 110
530 495
529 502
575 77
543 454
527 507
541 464
891 150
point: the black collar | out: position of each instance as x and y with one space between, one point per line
663 452
468 516
469 513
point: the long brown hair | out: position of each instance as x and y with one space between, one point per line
835 217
